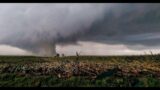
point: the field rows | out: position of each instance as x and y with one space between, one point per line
127 70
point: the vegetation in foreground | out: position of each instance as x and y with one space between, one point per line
82 71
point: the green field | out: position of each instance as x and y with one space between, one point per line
82 71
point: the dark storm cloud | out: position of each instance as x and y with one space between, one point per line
129 24
39 27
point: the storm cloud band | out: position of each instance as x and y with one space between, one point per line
39 27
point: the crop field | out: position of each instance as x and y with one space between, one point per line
80 71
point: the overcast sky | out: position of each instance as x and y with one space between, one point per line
90 29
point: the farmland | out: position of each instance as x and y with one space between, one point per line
81 71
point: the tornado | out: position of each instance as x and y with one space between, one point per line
38 28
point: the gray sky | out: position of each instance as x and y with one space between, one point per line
91 29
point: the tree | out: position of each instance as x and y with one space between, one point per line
57 55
